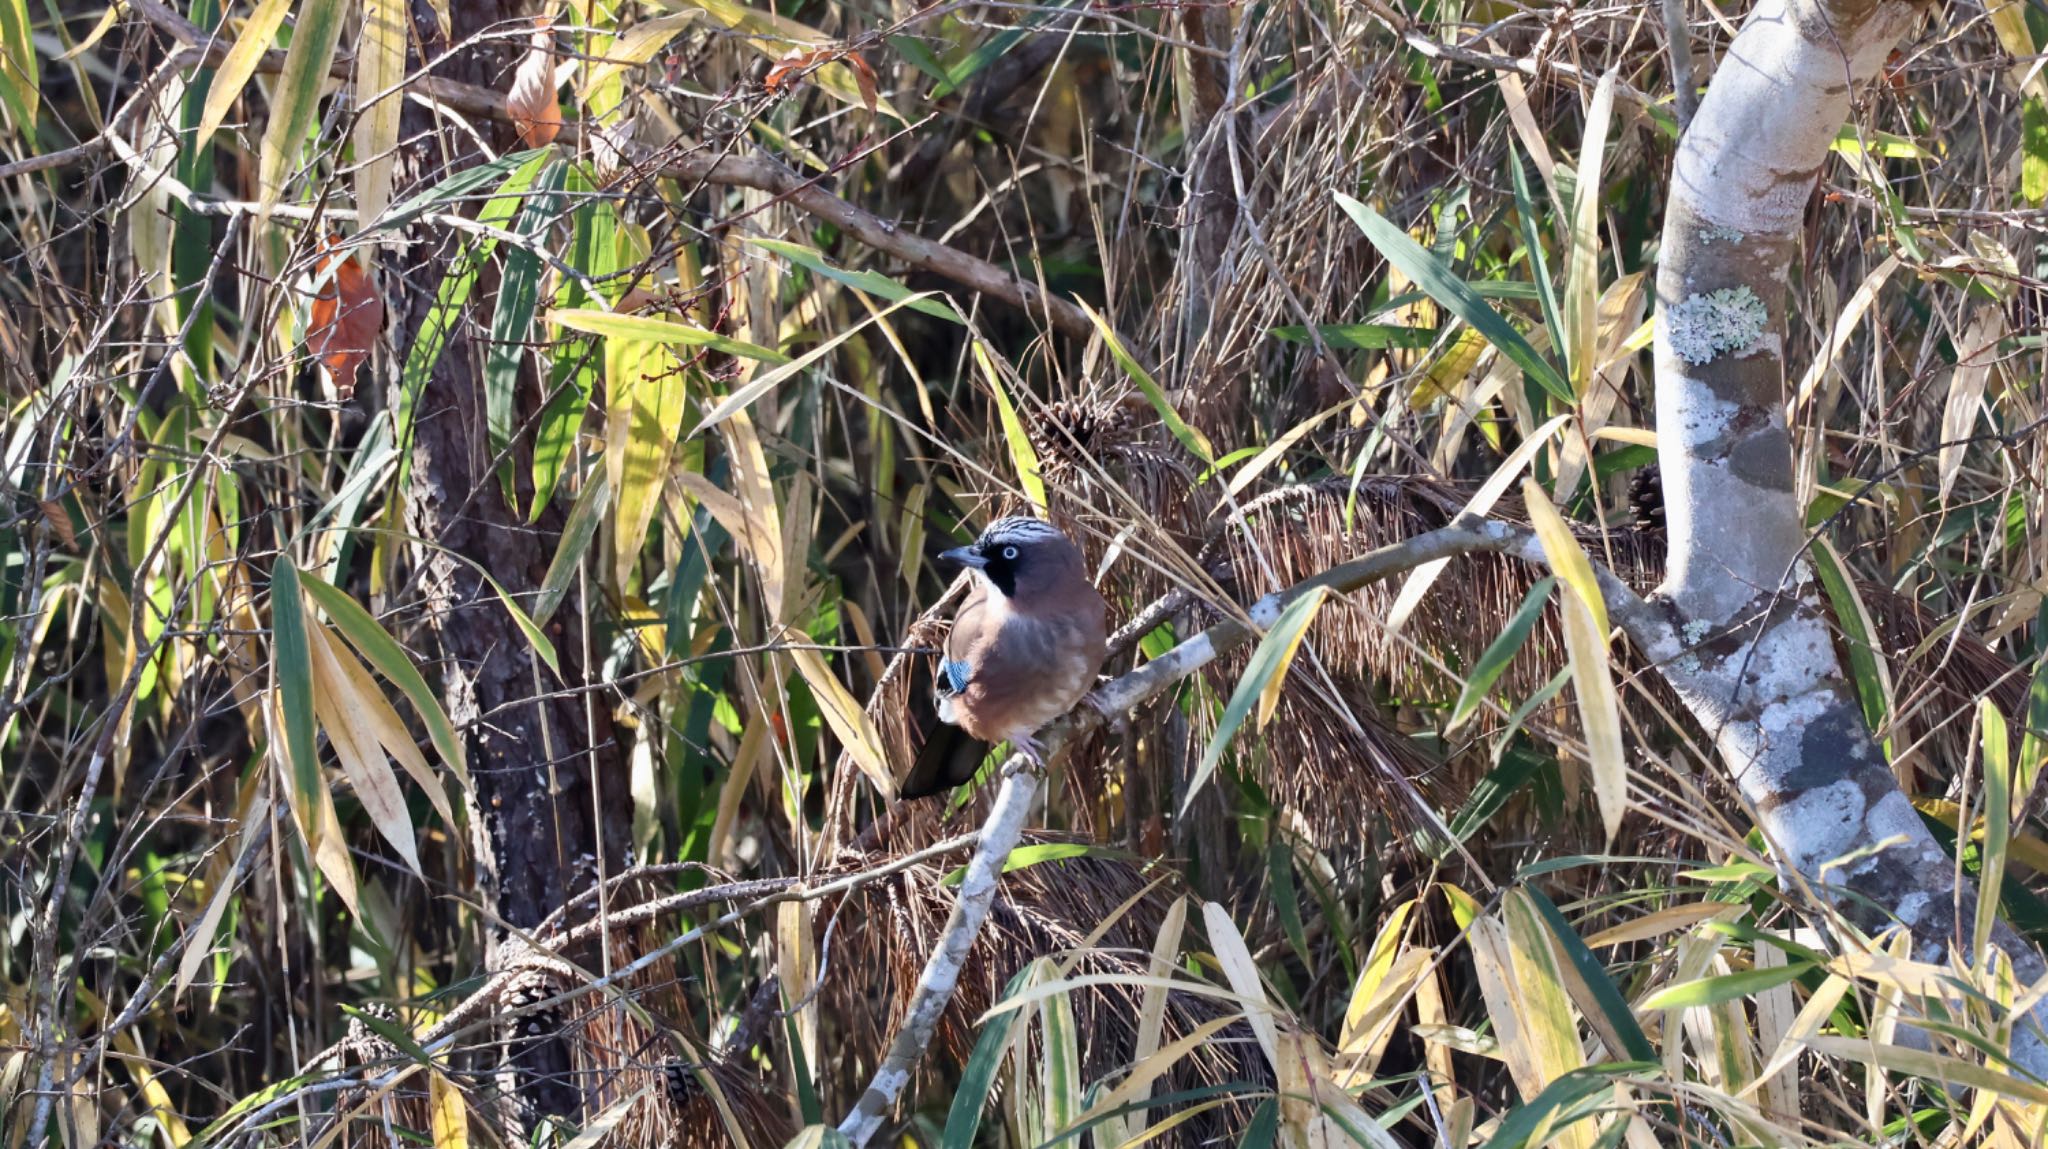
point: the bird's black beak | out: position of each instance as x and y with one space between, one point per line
965 556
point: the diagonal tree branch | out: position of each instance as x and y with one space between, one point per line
1749 650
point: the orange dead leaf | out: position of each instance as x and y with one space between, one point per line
791 66
531 102
347 314
864 77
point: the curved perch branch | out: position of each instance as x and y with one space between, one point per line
1005 823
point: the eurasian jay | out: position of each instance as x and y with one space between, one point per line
1025 647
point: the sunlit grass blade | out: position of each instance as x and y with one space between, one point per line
872 282
1997 759
1022 454
668 332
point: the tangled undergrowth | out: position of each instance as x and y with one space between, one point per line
466 549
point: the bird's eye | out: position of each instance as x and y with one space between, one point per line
1010 554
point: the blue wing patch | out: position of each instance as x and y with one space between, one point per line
955 676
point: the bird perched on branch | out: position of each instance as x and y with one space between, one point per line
1025 647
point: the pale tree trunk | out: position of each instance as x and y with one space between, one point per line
1748 647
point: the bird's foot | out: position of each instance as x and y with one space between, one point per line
1032 750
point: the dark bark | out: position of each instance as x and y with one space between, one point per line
538 831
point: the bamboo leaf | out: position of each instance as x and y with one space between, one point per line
350 731
1494 660
292 665
1582 273
1599 711
1566 557
667 332
848 720
394 663
767 381
1997 751
775 36
1022 454
1243 975
1867 667
1724 987
380 69
257 33
977 1077
448 1112
639 44
1433 276
512 318
584 519
1268 663
295 104
1196 442
20 81
872 282
389 731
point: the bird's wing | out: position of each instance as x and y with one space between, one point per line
958 666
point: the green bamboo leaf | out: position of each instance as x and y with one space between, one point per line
1059 1055
393 662
456 286
577 533
645 329
1532 241
1608 1010
20 85
1493 662
1189 437
295 104
1267 663
2034 731
292 658
1022 454
577 368
872 282
1724 987
512 318
1433 276
1362 336
1866 665
1998 791
1571 1098
509 173
978 1076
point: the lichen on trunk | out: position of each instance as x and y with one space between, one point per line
1745 641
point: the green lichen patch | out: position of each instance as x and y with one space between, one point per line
1702 327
